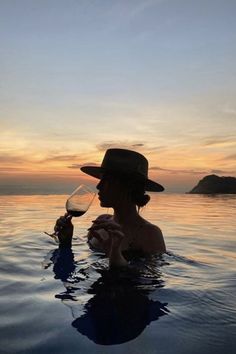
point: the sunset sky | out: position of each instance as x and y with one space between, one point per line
80 76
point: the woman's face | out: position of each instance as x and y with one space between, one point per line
110 191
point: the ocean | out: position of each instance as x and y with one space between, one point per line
68 301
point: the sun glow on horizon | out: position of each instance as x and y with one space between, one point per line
151 78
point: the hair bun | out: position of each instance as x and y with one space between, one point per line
142 200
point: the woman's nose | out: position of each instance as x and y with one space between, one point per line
98 185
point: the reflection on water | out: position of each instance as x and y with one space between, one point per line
118 307
184 302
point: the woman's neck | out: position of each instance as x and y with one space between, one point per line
126 214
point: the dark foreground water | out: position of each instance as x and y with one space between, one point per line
69 302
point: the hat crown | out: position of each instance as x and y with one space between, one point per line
122 160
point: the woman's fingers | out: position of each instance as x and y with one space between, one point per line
62 221
112 230
107 225
97 235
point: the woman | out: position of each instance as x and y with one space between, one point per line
124 179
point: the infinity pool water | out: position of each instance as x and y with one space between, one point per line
68 301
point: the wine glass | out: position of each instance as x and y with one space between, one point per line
79 201
76 205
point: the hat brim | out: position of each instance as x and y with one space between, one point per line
98 172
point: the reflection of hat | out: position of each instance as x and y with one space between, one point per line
127 162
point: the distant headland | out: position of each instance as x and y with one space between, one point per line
214 184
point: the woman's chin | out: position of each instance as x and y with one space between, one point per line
104 204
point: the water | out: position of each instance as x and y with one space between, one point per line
68 302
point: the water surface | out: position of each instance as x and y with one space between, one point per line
56 301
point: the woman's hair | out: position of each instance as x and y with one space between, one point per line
135 188
137 194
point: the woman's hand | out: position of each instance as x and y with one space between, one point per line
64 230
112 244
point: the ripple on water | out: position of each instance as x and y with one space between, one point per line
46 296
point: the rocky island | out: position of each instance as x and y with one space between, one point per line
214 184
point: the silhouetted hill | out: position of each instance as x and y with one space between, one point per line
214 184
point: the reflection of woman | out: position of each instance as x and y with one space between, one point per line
123 182
119 310
63 263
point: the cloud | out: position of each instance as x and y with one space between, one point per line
137 145
60 158
229 110
223 172
173 171
142 147
11 169
128 12
75 165
192 172
14 159
230 157
141 7
156 168
220 141
6 158
119 144
217 171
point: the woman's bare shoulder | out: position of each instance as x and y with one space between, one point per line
153 240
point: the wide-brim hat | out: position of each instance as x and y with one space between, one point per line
126 163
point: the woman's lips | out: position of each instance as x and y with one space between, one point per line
100 197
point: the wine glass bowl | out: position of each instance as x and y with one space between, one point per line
76 205
79 201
